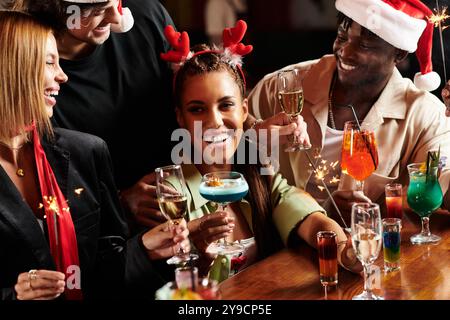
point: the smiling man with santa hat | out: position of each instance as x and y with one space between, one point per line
373 37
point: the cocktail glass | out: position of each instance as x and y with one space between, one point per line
424 197
359 152
172 198
224 188
291 99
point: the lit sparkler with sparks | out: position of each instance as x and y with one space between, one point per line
51 204
319 174
438 20
323 169
439 17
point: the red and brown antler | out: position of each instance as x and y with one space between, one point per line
232 38
179 42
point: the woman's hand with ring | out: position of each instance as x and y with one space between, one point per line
39 285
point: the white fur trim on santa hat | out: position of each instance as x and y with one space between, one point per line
428 82
395 27
126 24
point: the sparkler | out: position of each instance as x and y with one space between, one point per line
319 174
438 19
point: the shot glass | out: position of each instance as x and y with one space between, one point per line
185 277
327 247
391 243
208 289
394 202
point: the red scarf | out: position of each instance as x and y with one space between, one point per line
61 232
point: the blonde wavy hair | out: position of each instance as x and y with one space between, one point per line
23 42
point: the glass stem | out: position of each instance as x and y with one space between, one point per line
367 283
223 207
173 226
293 119
426 226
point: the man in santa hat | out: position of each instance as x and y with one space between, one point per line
373 37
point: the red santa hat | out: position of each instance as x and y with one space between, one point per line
127 18
403 24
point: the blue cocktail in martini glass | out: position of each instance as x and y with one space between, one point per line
224 188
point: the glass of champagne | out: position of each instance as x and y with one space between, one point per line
224 188
290 96
172 198
359 152
424 197
366 240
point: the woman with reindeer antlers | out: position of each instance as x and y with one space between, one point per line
209 87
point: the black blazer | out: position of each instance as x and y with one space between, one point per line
111 266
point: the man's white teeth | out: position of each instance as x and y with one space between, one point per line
347 67
51 93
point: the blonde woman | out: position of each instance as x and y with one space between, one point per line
62 233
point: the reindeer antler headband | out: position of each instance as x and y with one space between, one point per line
231 52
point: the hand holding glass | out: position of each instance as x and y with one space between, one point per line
223 188
366 240
172 198
290 96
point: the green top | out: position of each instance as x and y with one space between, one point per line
290 206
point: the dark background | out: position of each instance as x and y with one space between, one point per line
289 31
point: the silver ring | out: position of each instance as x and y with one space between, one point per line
32 275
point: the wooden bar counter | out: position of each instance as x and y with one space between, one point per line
293 274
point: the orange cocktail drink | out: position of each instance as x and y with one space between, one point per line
359 153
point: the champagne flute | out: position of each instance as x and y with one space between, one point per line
223 188
290 96
359 152
366 240
424 197
172 198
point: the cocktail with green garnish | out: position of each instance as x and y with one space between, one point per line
424 197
